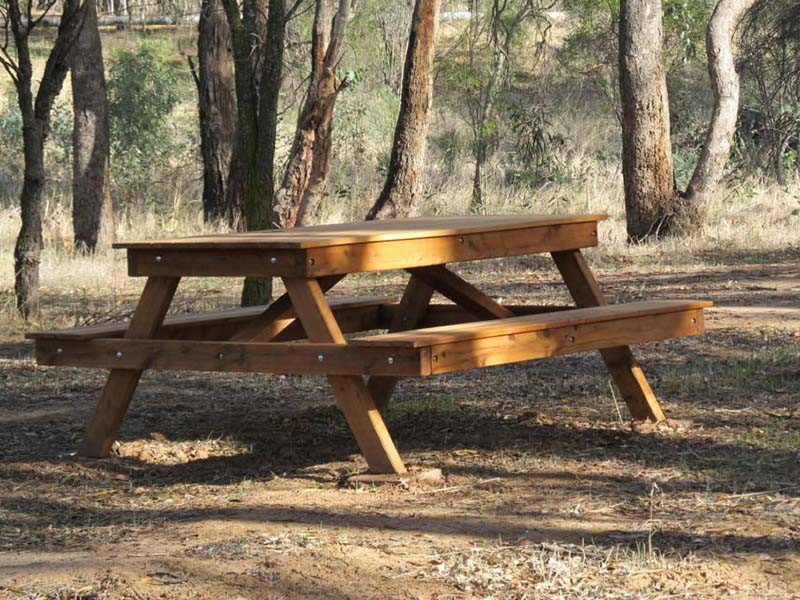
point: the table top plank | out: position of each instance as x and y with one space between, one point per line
362 232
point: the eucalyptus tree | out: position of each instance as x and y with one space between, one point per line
401 190
18 22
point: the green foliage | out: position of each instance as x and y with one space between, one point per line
142 92
58 147
533 160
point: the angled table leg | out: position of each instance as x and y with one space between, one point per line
266 326
413 306
352 395
113 404
461 292
624 368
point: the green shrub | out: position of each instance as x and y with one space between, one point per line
142 92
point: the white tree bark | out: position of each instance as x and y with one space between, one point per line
720 49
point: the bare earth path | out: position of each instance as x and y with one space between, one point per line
234 487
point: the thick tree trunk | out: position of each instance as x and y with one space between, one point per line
716 150
35 127
307 168
400 195
216 91
92 211
647 169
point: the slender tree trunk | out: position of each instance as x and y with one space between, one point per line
477 177
307 168
92 211
716 150
216 91
400 195
257 117
647 169
35 113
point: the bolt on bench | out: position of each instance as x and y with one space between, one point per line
423 339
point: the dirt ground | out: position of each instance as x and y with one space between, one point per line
235 487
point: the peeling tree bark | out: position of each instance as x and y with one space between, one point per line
720 50
309 158
401 191
92 211
647 168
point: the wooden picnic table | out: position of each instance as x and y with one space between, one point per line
422 339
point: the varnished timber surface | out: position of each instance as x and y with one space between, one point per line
210 319
515 325
352 394
531 345
233 357
358 233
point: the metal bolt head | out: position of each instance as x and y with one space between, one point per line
594 233
59 351
390 360
119 354
461 239
273 259
158 259
220 356
320 357
311 261
694 320
570 338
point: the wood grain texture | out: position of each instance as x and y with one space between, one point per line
220 322
411 310
268 324
450 314
359 233
536 344
121 384
321 261
235 357
463 293
536 322
352 395
624 369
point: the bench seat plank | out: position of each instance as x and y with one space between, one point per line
537 322
210 320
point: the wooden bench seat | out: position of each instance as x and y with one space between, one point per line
353 313
417 353
514 339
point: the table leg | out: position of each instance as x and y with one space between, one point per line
624 368
266 326
113 404
463 293
413 306
352 395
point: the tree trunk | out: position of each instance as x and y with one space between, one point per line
257 117
400 195
216 91
647 170
307 168
716 150
477 178
28 249
35 127
92 211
